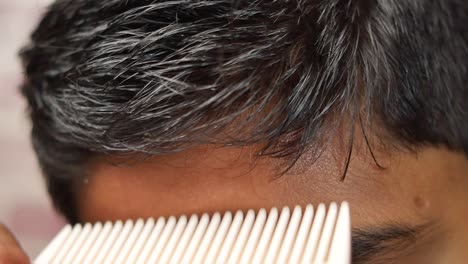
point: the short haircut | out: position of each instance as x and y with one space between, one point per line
155 77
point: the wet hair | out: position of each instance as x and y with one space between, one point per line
154 77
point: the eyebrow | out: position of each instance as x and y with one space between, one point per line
376 242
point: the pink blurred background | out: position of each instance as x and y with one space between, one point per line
24 205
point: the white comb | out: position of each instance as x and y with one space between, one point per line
301 236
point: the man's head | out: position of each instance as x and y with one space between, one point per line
216 105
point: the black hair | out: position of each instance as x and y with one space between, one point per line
155 77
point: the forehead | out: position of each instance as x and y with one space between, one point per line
207 179
412 191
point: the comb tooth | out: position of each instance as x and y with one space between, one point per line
184 240
127 246
230 237
165 235
77 243
290 236
108 242
266 236
219 238
174 238
101 238
242 238
54 247
304 229
152 240
139 243
342 238
117 245
87 243
67 245
207 238
254 236
313 239
195 241
327 234
277 236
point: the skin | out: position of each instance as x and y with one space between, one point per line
427 189
10 251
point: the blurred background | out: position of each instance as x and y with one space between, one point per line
24 205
